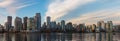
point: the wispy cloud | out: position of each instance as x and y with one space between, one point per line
12 6
93 17
5 3
59 8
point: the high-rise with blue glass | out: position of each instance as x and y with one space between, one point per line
48 21
38 21
9 23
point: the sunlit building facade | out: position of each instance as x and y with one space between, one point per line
48 21
63 25
9 23
31 24
25 23
38 21
18 24
69 26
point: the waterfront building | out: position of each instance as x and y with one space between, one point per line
81 26
107 26
63 25
18 24
1 28
110 26
53 25
93 27
48 21
102 26
44 26
58 26
31 24
25 23
69 26
9 23
98 29
38 21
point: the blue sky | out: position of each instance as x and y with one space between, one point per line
77 11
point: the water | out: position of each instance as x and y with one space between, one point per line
60 37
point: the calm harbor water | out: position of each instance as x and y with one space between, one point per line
60 37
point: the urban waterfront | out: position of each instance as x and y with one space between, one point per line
33 24
59 37
59 20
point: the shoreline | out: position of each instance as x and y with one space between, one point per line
59 32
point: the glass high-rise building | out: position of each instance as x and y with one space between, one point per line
103 25
31 24
25 23
98 26
53 25
18 24
38 21
63 24
48 21
110 26
69 26
9 23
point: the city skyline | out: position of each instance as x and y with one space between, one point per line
37 17
33 24
59 20
80 11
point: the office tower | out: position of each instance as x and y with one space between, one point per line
18 24
69 26
81 26
44 25
48 21
53 25
9 23
38 21
31 24
6 26
58 26
110 26
98 26
93 27
63 24
89 28
25 23
107 26
1 28
102 26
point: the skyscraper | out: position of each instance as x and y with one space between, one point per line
81 26
102 25
31 24
58 26
93 27
110 26
53 25
63 24
18 24
44 26
98 26
48 21
107 26
69 26
25 23
9 23
38 21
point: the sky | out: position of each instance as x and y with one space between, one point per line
77 11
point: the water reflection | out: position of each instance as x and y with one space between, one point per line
60 37
8 37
